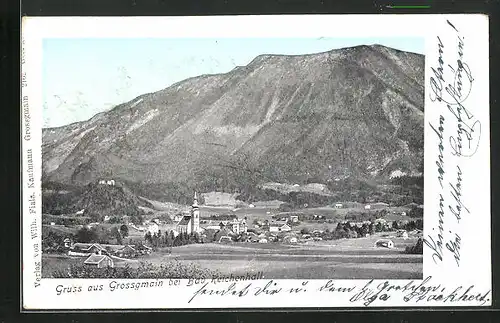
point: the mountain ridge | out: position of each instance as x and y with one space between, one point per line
291 117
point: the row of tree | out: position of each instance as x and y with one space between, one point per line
168 239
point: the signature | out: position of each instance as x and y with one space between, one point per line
468 130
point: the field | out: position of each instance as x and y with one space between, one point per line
341 259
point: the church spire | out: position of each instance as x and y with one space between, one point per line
195 202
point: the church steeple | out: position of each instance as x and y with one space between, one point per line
195 201
195 215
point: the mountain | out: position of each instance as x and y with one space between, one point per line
356 112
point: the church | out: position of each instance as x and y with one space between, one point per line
191 223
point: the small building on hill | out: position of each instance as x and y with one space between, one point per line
99 261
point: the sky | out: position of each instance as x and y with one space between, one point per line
82 77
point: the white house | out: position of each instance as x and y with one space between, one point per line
80 212
338 205
238 226
384 243
279 227
367 207
153 228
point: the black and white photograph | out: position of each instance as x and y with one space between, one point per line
191 158
210 165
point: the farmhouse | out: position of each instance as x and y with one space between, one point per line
339 205
279 227
99 261
127 251
402 234
384 243
110 182
88 248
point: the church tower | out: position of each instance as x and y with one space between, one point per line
195 215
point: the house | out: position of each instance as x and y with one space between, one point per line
294 218
52 223
290 239
67 243
127 251
338 205
225 239
263 240
99 261
80 212
384 243
87 248
403 213
238 226
368 207
251 205
402 234
106 218
279 227
153 228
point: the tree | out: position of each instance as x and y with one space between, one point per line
124 230
148 237
352 234
168 240
86 235
304 231
115 233
364 230
371 228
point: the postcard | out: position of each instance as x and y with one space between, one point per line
232 162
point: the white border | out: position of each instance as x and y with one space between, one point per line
474 228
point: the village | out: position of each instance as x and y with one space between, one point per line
141 241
